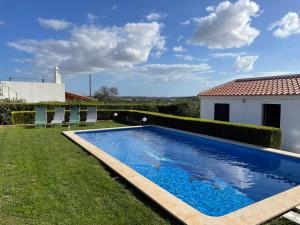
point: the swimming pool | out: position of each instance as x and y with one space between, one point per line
212 176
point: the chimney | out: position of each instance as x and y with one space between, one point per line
57 76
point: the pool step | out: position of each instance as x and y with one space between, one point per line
297 208
292 216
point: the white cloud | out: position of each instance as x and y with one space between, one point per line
54 24
190 58
286 26
226 54
245 63
203 59
210 8
227 26
91 17
114 7
179 48
272 73
171 72
2 23
93 49
262 74
154 16
186 22
184 57
22 60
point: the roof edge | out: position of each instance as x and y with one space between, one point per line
218 86
288 76
283 76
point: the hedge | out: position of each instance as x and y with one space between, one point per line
182 108
27 117
252 134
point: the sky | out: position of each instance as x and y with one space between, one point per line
149 47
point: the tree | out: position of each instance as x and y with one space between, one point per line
113 92
106 93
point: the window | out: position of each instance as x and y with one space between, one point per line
221 112
271 115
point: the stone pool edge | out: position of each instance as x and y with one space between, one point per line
255 213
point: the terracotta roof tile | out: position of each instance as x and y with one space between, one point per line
72 96
275 85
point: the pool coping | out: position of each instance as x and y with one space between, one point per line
256 213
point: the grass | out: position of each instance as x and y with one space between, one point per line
280 221
47 179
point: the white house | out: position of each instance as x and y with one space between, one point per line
270 101
34 91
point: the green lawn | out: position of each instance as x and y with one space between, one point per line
47 179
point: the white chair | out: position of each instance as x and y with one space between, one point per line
91 116
59 116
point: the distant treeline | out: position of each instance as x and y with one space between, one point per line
111 95
143 99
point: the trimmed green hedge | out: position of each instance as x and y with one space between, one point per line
27 117
182 108
252 134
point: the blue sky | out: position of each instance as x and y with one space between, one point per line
149 48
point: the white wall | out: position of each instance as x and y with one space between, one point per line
250 112
33 91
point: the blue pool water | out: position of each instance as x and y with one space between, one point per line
212 176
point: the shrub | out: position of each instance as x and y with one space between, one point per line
28 117
252 134
6 107
188 108
23 117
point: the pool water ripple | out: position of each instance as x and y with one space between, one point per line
212 176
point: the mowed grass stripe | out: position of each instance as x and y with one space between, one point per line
47 179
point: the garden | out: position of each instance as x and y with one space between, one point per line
47 179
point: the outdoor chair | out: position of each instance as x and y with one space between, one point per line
74 115
59 116
91 116
40 116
